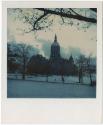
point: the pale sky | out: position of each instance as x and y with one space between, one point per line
71 39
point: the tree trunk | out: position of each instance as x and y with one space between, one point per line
47 78
90 78
24 66
89 71
80 75
23 76
62 78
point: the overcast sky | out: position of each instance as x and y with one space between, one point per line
72 39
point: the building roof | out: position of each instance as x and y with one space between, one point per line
55 43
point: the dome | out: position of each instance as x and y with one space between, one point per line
55 49
55 44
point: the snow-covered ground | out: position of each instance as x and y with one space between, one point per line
54 78
33 89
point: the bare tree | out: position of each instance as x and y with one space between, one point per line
89 69
41 18
62 73
12 64
23 51
81 63
69 13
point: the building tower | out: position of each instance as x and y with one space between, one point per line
55 49
71 60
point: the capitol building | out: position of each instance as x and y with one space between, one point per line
55 65
58 63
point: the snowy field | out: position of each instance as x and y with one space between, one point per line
53 78
35 89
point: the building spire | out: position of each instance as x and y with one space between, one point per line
55 39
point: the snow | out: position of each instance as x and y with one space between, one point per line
54 78
33 89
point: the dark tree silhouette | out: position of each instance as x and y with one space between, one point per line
69 13
62 73
89 69
23 51
81 63
12 65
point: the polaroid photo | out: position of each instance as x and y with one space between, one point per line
52 62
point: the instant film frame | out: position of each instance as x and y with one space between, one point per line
32 110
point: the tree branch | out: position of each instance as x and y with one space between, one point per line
78 17
74 12
93 9
42 16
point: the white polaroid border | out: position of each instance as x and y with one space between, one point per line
33 110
